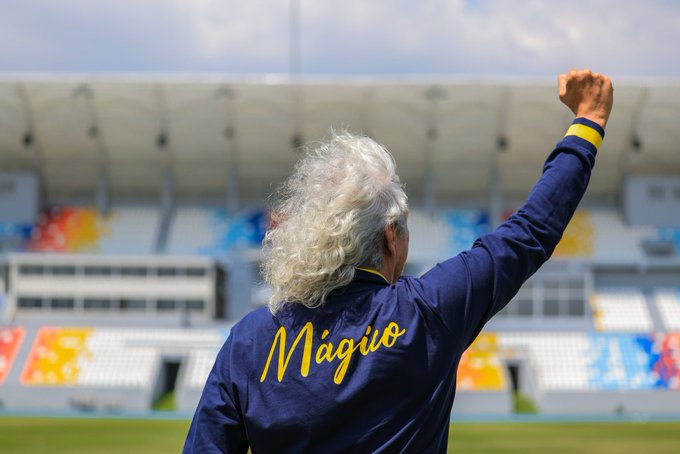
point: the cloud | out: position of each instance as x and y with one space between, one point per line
342 37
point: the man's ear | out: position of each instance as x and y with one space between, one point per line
390 239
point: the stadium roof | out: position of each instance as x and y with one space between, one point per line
211 135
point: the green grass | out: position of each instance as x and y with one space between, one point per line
43 435
39 435
522 404
165 403
600 438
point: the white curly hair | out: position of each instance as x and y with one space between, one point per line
329 218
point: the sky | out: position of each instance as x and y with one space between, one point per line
342 37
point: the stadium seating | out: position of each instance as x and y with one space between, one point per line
198 367
210 231
614 240
130 230
111 357
14 236
10 341
115 358
55 357
602 235
600 361
598 234
429 235
480 367
663 353
621 309
559 359
126 230
446 233
578 239
671 234
668 305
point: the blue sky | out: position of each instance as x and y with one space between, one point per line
349 37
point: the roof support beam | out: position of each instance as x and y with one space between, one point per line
634 145
168 185
233 196
31 142
103 192
433 95
496 177
297 138
367 112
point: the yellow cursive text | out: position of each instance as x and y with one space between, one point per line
370 342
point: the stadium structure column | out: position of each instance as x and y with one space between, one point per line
168 188
367 111
94 133
233 196
495 178
294 69
433 95
634 146
31 142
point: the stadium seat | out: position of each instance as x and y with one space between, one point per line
210 231
126 230
577 241
621 309
113 357
55 357
615 241
10 342
480 367
668 305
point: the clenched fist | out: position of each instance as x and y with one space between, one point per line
587 94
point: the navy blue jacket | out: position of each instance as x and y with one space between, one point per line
374 370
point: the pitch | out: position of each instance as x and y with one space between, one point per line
74 435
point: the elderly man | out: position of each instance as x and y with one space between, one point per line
350 355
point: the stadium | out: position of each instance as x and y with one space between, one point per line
132 211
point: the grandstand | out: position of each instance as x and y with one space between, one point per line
132 212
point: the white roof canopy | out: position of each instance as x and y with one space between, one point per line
212 135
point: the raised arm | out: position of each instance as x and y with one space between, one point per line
470 288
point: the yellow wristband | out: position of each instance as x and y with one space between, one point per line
586 133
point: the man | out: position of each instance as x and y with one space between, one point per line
350 356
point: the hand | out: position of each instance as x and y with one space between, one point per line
587 94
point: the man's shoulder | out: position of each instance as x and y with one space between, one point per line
258 316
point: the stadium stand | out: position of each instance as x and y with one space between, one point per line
482 383
130 230
668 305
480 367
444 233
126 230
113 368
577 241
600 372
54 358
210 231
615 241
14 236
10 341
621 309
671 235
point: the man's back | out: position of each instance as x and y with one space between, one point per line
374 368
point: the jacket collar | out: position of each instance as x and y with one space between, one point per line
370 275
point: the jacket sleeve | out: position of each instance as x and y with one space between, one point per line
217 426
469 289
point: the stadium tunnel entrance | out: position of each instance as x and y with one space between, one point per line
166 382
521 385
